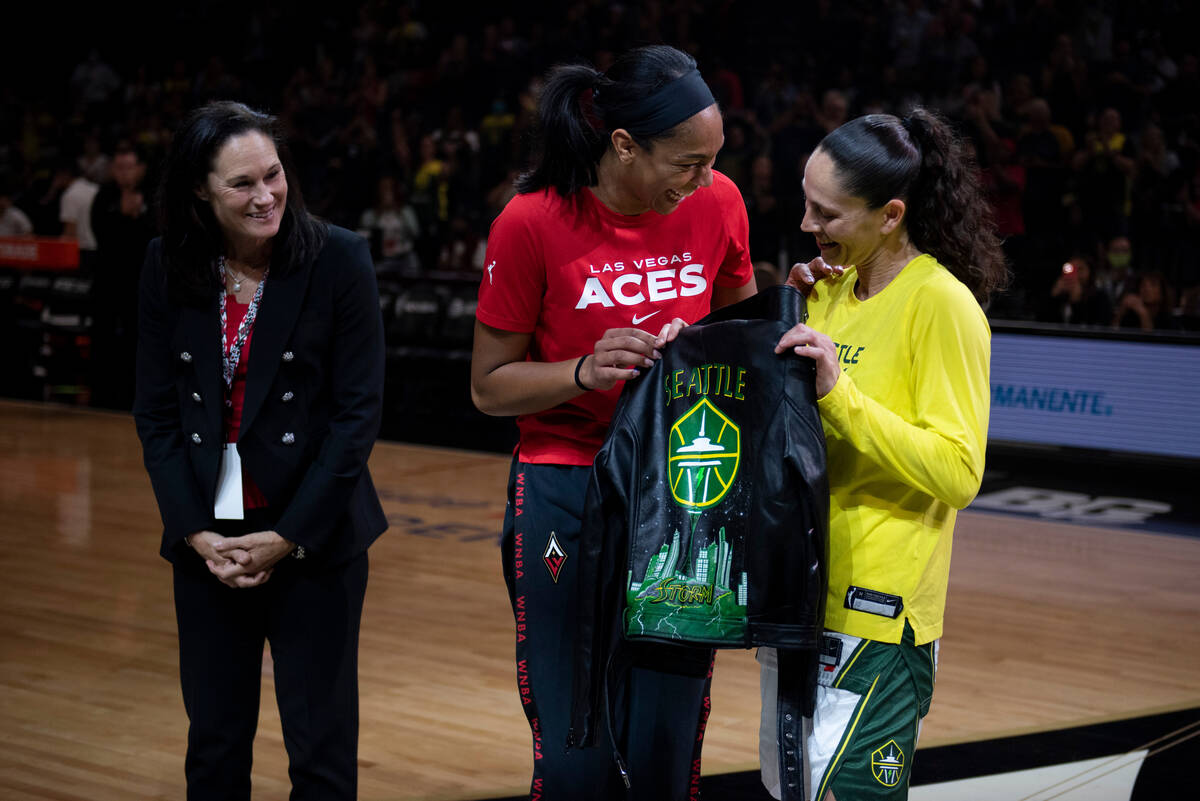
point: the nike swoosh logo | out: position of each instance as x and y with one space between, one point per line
639 320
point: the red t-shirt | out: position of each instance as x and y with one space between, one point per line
567 269
252 497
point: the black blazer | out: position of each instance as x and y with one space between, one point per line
314 392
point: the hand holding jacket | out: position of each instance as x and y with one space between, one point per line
707 510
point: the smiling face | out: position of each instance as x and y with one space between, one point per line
847 231
662 177
247 190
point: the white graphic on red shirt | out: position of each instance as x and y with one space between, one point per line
490 266
639 320
632 289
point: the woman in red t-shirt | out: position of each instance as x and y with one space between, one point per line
620 235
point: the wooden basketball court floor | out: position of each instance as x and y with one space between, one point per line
1048 625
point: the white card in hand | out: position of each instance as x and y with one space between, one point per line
229 486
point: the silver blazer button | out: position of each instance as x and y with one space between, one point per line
196 438
288 355
196 397
185 357
287 396
288 439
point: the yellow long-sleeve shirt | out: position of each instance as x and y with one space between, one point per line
906 430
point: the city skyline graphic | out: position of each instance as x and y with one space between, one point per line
685 599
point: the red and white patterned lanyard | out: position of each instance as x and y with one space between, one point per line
232 353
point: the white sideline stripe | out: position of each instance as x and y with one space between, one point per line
1089 780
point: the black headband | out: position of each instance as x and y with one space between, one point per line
664 109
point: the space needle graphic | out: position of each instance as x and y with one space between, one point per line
700 445
887 766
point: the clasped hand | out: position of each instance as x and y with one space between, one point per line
239 562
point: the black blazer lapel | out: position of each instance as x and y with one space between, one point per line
202 329
281 302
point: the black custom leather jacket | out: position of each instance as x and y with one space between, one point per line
707 513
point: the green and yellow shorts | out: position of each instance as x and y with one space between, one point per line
871 697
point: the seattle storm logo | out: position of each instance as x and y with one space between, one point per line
887 763
703 456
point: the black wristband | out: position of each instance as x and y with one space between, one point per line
578 367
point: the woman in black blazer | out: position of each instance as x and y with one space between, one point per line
259 388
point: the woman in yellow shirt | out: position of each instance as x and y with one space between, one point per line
901 347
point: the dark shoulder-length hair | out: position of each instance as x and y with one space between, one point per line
572 134
919 159
192 239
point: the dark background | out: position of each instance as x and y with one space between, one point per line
439 98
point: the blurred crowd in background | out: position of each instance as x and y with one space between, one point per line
410 121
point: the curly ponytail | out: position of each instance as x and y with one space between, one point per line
921 161
948 215
580 107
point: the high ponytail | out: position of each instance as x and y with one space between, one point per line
568 146
580 107
921 161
